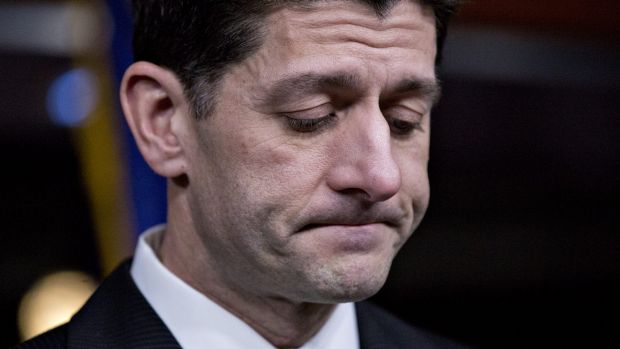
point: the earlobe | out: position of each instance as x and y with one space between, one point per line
155 108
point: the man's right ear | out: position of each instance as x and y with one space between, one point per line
156 111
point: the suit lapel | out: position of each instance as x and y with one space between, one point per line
371 334
118 316
379 329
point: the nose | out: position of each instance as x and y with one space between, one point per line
365 165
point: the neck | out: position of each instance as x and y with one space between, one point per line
284 323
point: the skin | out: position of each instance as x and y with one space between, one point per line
300 188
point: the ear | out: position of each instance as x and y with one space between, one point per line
156 111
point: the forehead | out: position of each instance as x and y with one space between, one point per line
330 14
349 31
344 38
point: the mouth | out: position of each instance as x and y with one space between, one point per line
352 222
314 226
359 237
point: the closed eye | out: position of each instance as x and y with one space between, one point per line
311 119
309 125
403 128
403 121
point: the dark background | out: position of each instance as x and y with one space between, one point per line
521 244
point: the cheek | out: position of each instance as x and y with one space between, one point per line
284 164
414 174
268 157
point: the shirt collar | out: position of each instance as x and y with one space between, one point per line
197 322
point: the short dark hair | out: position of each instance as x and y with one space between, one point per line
199 39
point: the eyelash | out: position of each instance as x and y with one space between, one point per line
402 128
310 125
398 127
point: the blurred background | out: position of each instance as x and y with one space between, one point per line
520 247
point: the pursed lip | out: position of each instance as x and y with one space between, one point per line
392 219
345 225
346 219
360 237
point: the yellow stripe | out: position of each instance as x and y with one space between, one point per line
97 142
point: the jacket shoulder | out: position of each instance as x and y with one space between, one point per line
379 329
116 316
53 339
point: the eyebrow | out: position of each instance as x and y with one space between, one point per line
429 89
298 86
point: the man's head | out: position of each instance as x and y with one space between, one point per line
199 40
310 171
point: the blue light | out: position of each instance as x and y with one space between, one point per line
72 97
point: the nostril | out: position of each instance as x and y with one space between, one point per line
369 181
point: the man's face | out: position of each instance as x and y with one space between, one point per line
312 171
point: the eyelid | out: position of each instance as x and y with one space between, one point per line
416 104
310 125
402 110
310 113
404 121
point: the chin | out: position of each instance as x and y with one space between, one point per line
350 284
352 294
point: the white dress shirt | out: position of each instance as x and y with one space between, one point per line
197 322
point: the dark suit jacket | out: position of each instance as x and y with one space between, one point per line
118 316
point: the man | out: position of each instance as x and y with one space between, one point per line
295 139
